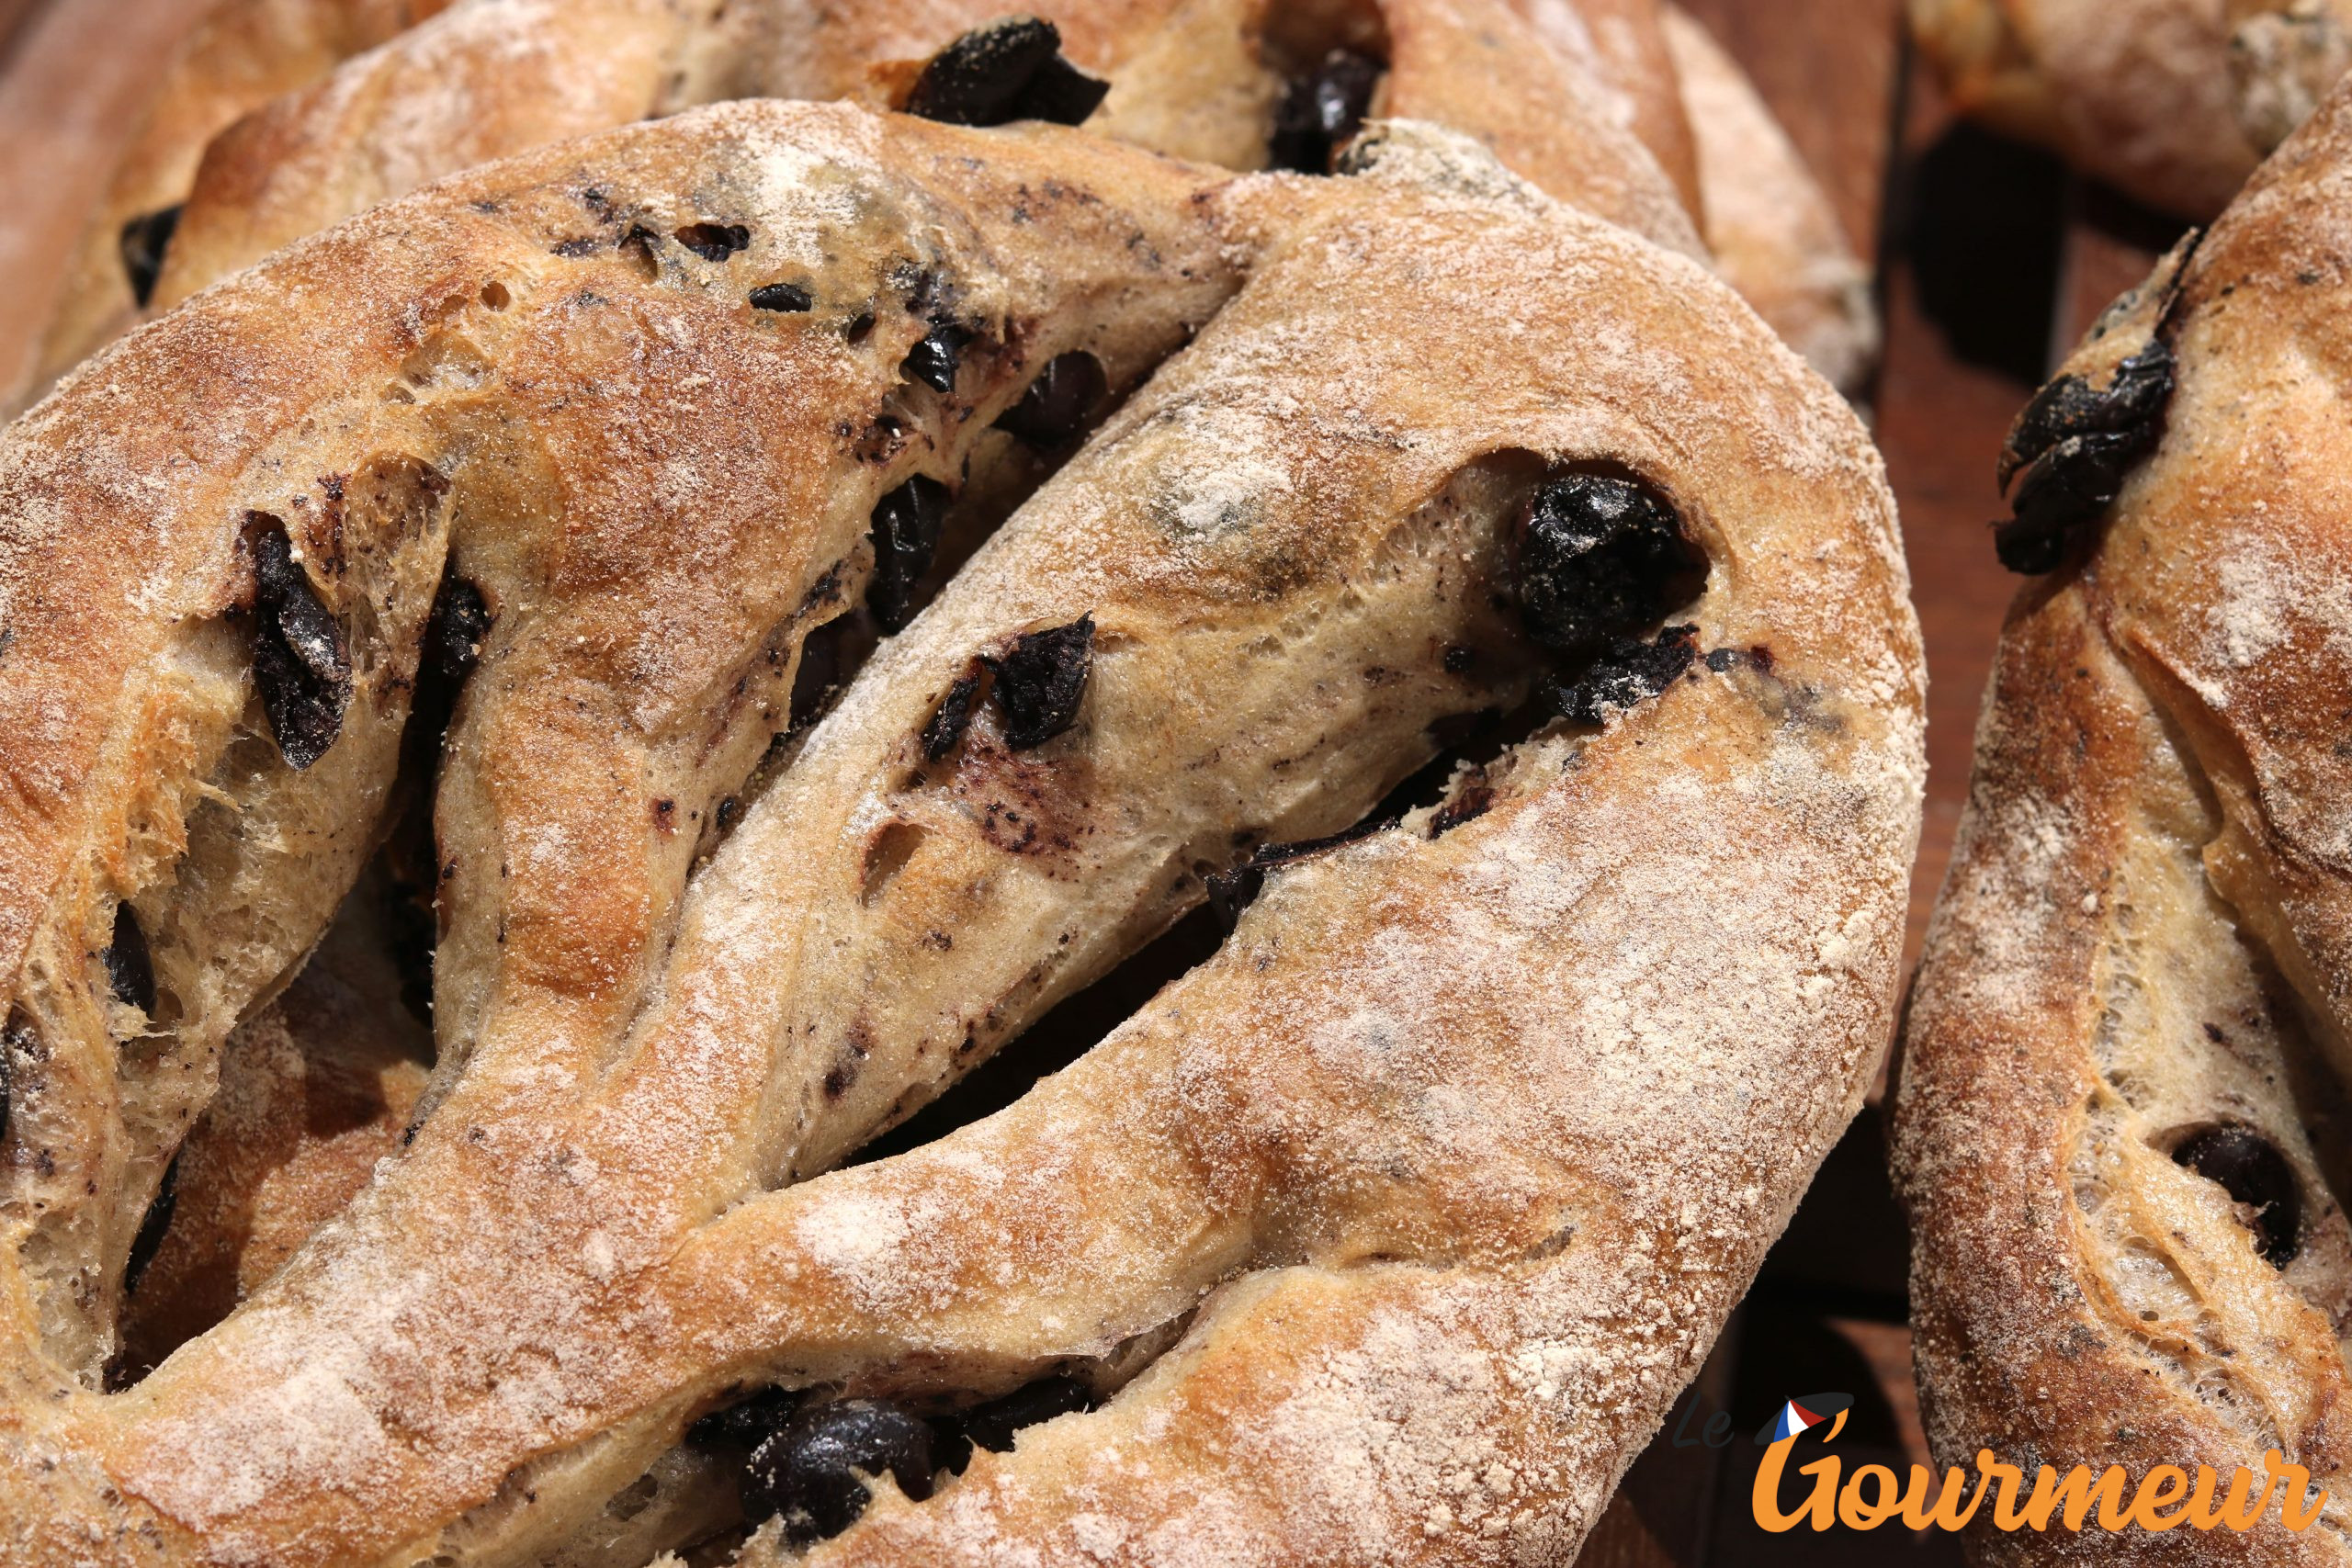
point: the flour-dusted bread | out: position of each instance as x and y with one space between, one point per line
2172 101
2122 1125
1231 82
243 54
1388 1233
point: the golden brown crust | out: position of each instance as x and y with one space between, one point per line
243 55
2172 101
1193 78
494 77
2142 932
1373 1105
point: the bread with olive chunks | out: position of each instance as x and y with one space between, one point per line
1400 1139
2119 1130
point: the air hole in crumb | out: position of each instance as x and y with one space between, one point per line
887 855
634 1498
494 294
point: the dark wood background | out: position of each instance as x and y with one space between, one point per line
1991 257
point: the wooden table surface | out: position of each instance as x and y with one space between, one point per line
1992 259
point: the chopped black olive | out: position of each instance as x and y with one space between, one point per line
1005 70
748 1424
130 970
152 1228
812 1470
954 715
715 241
1321 110
1600 559
906 535
2136 394
788 299
993 1424
455 630
143 242
2252 1170
932 360
2069 452
1628 672
1056 405
1041 682
301 665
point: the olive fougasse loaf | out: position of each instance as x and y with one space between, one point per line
2172 101
2121 1123
264 132
1197 515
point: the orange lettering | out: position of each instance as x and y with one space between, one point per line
1947 1513
2242 1513
1764 1497
2005 1501
2164 1484
2075 1495
2294 1481
1856 1513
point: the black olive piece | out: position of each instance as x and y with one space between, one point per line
455 630
1601 557
748 1423
1005 70
1627 673
302 664
932 360
906 535
1041 682
1056 406
715 241
2252 1170
954 716
788 299
813 1470
951 1445
2134 397
2063 492
142 242
2076 446
993 1424
130 969
1060 93
1321 110
152 1228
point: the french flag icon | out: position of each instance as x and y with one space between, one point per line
1801 1414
